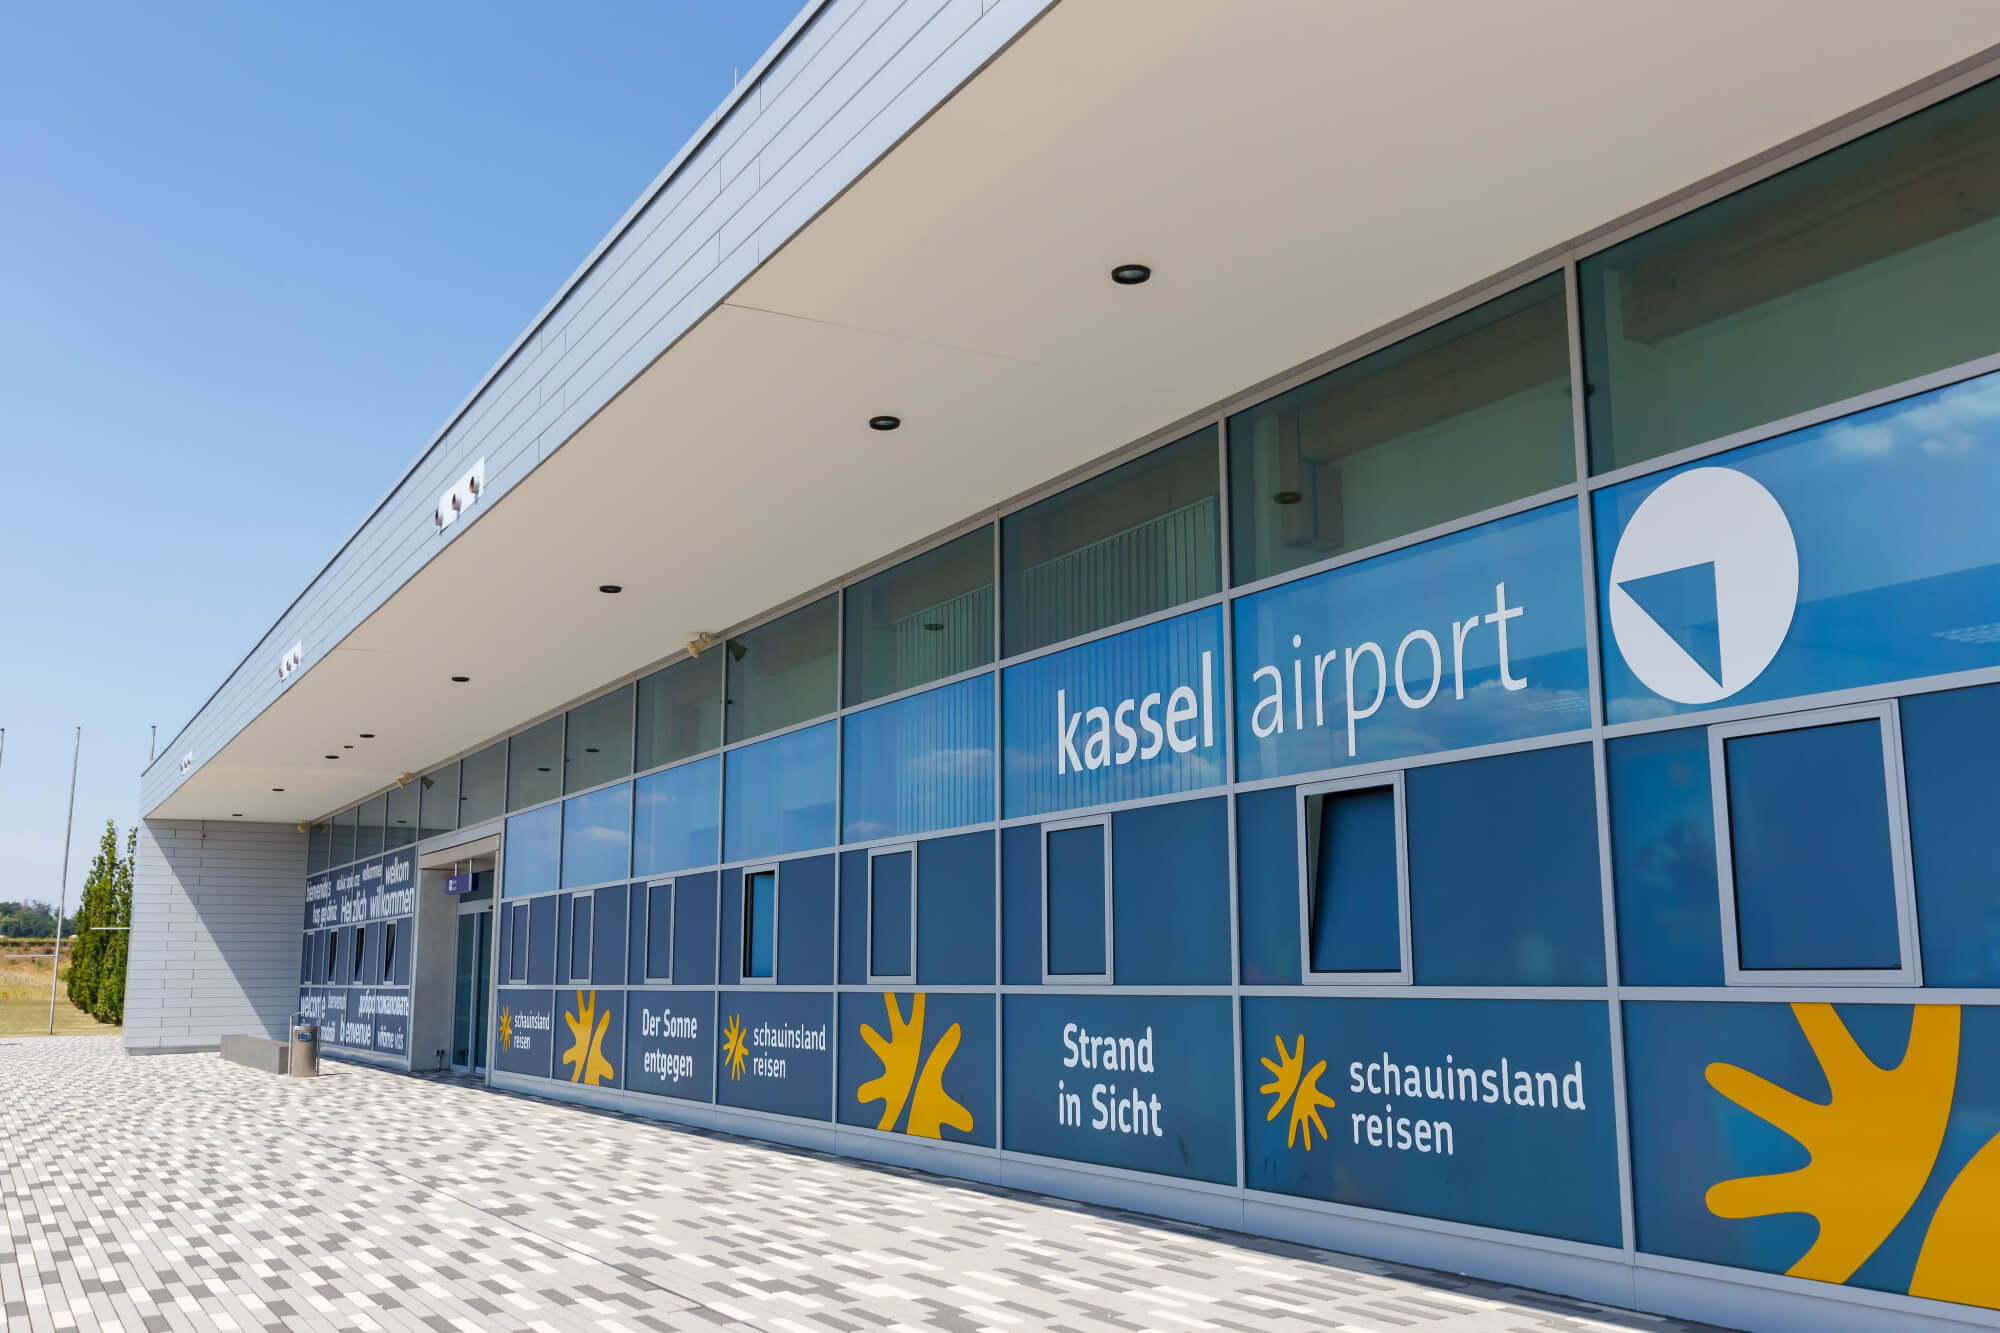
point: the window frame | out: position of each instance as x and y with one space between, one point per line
647 974
389 933
891 978
1402 976
1108 976
570 902
359 954
1888 716
774 869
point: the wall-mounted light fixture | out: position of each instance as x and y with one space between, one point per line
460 497
293 659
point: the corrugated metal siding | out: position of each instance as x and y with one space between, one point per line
216 913
853 82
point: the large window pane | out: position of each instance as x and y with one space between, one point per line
783 673
1461 417
679 711
437 802
597 836
597 742
482 782
401 828
319 846
1139 539
676 818
368 832
922 763
1861 268
925 619
343 836
778 795
534 761
533 852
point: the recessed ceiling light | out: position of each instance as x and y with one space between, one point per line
884 423
333 756
590 749
277 789
367 735
460 680
1130 275
611 587
542 769
1288 497
347 747
934 626
237 815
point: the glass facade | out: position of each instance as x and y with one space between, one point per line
437 801
1554 845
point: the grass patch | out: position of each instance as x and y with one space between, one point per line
24 998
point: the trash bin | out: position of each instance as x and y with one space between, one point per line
305 1047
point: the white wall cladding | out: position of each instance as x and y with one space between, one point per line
851 78
216 910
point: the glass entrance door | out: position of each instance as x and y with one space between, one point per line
472 978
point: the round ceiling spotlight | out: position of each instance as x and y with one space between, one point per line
460 680
367 735
1288 497
333 756
237 815
611 587
277 789
1130 275
884 423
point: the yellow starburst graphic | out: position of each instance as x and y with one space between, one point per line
733 1047
506 1028
585 1055
932 1108
1294 1083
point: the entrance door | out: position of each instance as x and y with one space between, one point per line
471 979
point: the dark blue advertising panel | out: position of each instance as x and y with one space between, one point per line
321 911
389 1013
349 897
391 884
670 1043
1465 640
1497 1113
1856 1144
776 1052
590 1038
344 1024
1136 1081
918 1063
1846 554
1138 714
526 1027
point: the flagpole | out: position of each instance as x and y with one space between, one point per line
62 890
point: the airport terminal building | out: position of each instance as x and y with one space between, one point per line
1372 626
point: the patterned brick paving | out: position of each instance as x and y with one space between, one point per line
178 1193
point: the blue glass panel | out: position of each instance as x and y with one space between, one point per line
805 922
1116 719
760 923
534 844
597 836
674 818
1505 888
955 911
1356 900
1846 554
921 763
581 936
563 956
778 795
607 966
729 923
1021 904
1809 845
541 939
694 930
1663 859
1076 901
892 879
1267 885
637 935
1949 741
1170 893
1464 640
660 932
853 918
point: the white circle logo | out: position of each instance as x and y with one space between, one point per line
1703 585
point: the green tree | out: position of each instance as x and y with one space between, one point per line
108 1005
93 911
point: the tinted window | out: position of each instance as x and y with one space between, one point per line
923 620
580 937
597 741
1663 859
921 763
368 829
533 848
779 795
437 800
782 673
760 923
482 780
1949 740
1463 416
1354 897
534 763
1138 539
676 816
1076 901
319 845
679 711
401 829
343 837
1861 268
891 882
660 931
597 836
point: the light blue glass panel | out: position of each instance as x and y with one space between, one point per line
1464 640
1882 522
597 836
1134 715
778 795
675 818
921 763
534 850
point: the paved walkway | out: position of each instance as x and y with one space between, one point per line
179 1193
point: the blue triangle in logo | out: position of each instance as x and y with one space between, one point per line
1682 602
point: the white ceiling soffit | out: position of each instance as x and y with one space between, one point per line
1296 172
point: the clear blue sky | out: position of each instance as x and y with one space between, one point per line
251 255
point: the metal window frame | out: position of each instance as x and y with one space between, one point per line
1109 974
775 870
1309 823
882 978
570 900
1887 714
389 951
646 974
360 954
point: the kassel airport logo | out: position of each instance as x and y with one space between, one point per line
1703 585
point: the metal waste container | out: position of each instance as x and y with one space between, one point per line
304 1061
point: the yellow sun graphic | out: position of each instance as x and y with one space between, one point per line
1294 1083
733 1047
932 1108
585 1055
506 1029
